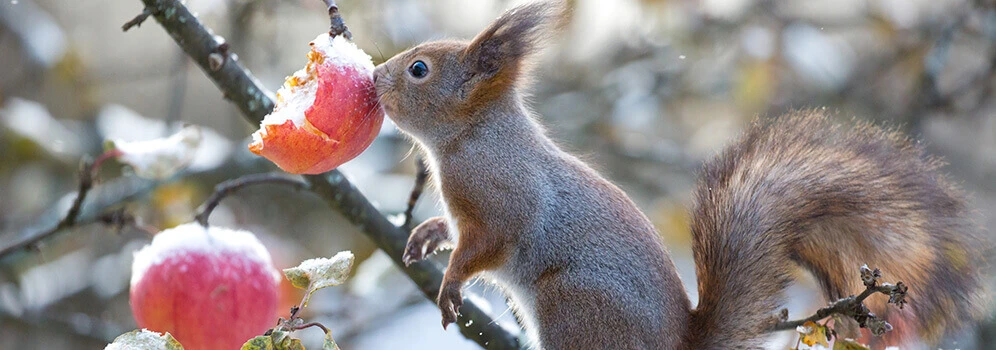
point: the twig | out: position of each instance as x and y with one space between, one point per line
255 102
337 26
229 187
421 176
87 174
854 307
137 21
99 204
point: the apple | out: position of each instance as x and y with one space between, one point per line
210 288
326 114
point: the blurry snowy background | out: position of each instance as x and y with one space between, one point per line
645 90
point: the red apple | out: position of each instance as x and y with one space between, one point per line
326 114
210 288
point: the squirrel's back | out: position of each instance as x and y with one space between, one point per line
829 198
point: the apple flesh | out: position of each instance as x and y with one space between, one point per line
210 288
326 114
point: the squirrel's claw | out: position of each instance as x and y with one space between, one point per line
426 238
450 299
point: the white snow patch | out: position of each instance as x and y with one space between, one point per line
116 122
163 157
192 237
143 339
294 100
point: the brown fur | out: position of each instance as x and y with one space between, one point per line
584 268
802 189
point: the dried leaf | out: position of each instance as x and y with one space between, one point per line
259 343
813 334
277 340
315 274
144 339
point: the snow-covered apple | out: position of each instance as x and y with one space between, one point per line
210 288
326 114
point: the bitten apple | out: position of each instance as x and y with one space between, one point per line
210 288
326 114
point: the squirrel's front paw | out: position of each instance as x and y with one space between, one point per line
426 238
450 299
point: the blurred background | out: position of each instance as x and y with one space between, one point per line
645 90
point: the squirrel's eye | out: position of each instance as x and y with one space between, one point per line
418 69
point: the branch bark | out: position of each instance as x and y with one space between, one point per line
255 101
229 187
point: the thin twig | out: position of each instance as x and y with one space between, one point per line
229 187
312 324
255 102
337 26
87 173
137 21
854 307
421 176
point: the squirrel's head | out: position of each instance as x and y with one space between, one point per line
436 90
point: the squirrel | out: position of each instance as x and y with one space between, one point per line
583 267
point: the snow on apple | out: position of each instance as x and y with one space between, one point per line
210 288
326 114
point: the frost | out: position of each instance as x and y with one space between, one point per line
161 158
144 340
193 237
318 273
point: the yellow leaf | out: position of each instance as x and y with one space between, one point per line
813 334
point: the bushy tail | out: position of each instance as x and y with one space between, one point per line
803 191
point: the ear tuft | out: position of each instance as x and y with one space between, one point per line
496 59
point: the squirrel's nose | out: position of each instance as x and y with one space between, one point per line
377 72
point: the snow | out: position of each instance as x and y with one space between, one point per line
344 53
116 122
139 339
192 237
293 101
163 157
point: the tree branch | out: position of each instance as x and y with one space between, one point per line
229 187
248 94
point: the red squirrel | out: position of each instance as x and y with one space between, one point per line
583 267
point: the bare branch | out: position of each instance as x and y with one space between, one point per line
854 307
255 102
229 187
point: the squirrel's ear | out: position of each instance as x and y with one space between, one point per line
498 55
